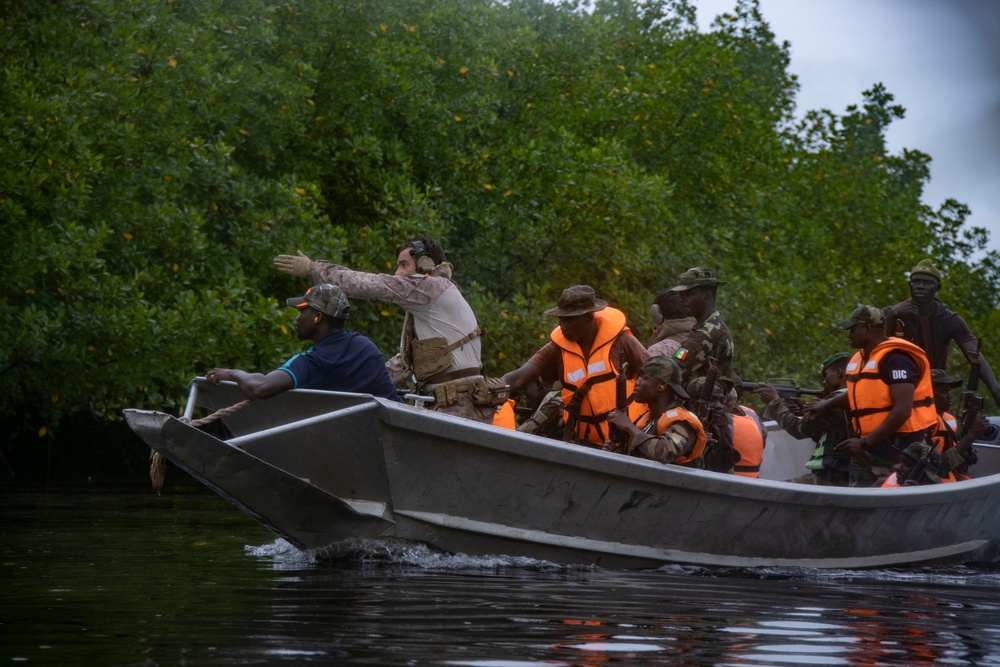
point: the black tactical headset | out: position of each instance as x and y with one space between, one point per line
425 263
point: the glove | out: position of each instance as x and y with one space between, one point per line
299 265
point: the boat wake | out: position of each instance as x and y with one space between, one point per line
981 574
387 553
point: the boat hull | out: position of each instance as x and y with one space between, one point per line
318 468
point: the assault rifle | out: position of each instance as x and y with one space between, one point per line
971 404
786 388
916 472
704 408
615 434
720 455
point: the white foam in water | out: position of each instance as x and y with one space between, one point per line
402 552
505 663
382 552
283 555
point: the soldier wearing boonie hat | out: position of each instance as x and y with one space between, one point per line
339 360
666 431
585 355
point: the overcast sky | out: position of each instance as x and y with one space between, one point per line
939 58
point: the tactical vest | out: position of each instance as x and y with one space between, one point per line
869 395
672 416
590 382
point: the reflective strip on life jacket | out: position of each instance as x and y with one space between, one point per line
593 377
870 398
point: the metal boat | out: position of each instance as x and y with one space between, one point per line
318 468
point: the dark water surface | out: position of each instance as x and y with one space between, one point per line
123 577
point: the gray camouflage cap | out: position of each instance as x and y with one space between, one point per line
326 298
697 277
863 315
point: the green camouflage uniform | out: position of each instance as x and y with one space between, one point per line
711 339
547 420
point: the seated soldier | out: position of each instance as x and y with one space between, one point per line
666 431
918 466
720 454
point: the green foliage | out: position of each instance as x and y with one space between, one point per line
157 155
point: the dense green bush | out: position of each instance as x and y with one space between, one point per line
158 153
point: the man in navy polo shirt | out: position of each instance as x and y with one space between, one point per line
339 360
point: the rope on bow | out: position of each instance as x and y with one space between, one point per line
158 463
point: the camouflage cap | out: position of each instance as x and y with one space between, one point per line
697 277
326 298
925 266
665 370
941 377
577 300
863 315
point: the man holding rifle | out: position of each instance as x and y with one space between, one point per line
665 431
923 320
826 429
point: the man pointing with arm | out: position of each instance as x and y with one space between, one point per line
440 344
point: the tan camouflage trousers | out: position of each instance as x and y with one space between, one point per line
465 408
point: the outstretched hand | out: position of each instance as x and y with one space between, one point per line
298 265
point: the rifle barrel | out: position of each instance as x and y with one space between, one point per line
785 389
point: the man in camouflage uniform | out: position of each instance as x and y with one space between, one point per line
826 429
665 431
710 339
547 419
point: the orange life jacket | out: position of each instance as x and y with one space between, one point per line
869 396
891 482
672 416
748 439
504 416
592 380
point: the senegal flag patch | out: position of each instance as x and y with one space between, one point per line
681 354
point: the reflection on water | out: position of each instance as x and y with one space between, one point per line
129 578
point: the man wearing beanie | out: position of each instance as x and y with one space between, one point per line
923 320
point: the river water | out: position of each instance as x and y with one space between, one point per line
121 576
